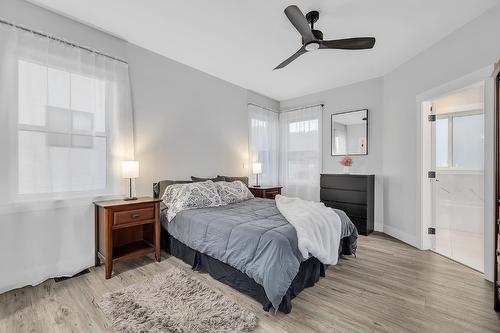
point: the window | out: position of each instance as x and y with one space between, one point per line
302 149
263 143
61 130
442 134
258 124
65 127
468 141
305 126
460 140
300 146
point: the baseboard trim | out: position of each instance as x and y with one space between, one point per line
401 235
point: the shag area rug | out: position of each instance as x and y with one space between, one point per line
174 302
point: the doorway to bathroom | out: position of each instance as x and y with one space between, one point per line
456 175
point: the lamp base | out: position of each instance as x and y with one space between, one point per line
130 198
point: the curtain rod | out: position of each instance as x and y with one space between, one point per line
263 107
61 40
295 109
303 107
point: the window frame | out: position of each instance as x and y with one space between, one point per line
307 122
450 116
14 164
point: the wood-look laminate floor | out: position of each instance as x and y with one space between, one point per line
389 287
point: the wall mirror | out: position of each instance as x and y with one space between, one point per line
350 133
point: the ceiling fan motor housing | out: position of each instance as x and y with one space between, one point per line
313 17
317 34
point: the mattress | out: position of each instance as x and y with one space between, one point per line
251 237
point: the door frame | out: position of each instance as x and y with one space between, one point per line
424 155
496 180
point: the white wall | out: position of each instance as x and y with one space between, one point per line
468 49
369 95
263 101
34 17
186 122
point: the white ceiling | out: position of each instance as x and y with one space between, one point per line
242 41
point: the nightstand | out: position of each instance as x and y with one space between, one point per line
125 230
267 192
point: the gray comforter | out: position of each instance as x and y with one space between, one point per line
251 236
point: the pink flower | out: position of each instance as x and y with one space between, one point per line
346 161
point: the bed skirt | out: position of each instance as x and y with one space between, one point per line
309 273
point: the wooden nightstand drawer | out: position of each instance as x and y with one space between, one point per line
272 193
135 215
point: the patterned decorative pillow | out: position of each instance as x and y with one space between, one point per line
179 197
231 192
159 188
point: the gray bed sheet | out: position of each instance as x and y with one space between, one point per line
251 236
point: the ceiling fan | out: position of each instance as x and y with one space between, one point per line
313 39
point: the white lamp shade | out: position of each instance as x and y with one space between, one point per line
130 169
257 168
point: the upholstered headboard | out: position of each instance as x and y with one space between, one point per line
159 188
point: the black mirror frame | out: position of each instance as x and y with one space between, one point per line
331 133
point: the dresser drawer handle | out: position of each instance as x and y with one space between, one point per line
136 216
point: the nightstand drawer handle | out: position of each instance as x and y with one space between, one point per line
136 216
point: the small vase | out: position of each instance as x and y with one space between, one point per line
347 169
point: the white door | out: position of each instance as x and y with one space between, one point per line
458 187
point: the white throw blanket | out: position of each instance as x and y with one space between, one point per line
318 227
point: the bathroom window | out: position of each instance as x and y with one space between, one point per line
460 141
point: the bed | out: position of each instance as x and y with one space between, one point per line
249 246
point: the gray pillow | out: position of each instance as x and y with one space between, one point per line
232 192
179 197
233 179
199 179
159 188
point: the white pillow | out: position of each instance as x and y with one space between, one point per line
179 197
231 192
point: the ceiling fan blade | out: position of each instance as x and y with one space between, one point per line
360 43
292 58
300 23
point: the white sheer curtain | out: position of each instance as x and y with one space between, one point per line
65 127
300 152
263 144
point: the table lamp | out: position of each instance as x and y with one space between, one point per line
257 170
130 169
